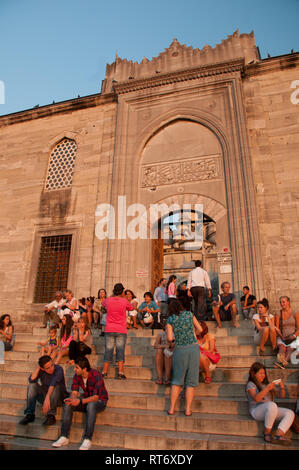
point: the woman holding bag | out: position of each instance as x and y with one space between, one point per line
209 356
287 324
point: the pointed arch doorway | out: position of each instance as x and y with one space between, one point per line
183 237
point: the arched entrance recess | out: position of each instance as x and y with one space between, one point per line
175 250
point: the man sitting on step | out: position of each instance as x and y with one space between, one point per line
53 310
93 400
50 393
226 309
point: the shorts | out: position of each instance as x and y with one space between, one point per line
185 365
118 341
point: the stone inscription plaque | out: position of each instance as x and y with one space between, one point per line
183 171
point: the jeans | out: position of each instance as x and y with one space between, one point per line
91 410
118 341
36 393
247 312
4 347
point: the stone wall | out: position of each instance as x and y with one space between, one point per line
28 212
273 128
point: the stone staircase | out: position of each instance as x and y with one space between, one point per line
136 417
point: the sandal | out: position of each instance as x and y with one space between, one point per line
282 359
121 376
208 380
261 352
268 437
170 414
277 364
167 382
281 440
159 381
190 414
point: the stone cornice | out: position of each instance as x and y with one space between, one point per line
272 64
68 106
234 65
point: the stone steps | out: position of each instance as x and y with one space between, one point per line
136 417
135 439
223 390
177 432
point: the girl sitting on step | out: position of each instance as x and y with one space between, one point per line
65 338
6 335
209 356
260 394
163 359
264 327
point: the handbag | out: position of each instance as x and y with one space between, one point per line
148 318
214 356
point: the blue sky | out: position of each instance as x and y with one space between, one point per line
57 49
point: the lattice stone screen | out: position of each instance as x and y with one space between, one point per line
61 165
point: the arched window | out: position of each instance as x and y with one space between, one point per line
61 165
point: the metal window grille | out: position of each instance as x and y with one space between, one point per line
61 165
53 267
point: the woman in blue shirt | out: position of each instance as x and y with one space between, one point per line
180 328
148 311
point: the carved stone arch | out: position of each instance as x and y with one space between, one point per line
208 120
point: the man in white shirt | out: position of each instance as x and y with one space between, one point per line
160 297
198 279
51 310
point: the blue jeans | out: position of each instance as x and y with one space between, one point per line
91 410
35 393
118 341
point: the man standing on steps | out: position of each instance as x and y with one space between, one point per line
50 393
93 400
160 297
198 279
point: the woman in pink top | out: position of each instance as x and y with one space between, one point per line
116 329
171 288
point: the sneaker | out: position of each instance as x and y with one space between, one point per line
86 445
62 441
27 419
50 420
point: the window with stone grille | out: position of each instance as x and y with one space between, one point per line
61 165
53 267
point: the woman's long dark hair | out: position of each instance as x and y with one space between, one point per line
100 291
2 321
171 278
255 367
175 308
132 293
264 302
67 328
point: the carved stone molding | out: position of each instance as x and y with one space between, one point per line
183 171
204 71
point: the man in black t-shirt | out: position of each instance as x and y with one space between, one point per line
248 302
226 309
